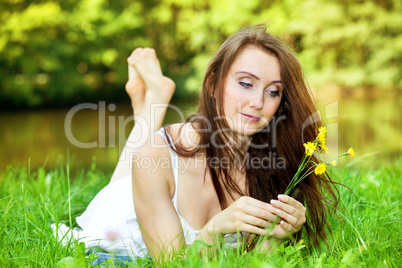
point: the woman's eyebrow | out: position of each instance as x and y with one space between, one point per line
256 77
276 81
250 74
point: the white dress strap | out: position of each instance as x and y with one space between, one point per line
174 160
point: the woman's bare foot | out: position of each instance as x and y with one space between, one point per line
135 86
158 87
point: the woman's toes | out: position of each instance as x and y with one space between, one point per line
148 50
148 54
137 51
134 55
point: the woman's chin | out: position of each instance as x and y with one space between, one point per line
247 133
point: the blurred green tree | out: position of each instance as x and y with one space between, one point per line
60 52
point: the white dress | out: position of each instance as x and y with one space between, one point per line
110 221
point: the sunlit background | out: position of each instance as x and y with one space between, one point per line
57 54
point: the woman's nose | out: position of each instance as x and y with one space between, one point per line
256 101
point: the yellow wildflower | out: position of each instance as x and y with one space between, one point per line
351 152
322 130
321 137
320 169
333 163
321 134
310 148
324 148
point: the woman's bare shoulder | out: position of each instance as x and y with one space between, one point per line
184 134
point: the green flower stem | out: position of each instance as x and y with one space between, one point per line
296 180
299 170
344 154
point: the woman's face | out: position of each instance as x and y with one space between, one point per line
253 91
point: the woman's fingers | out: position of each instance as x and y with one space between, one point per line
255 221
292 211
257 208
293 202
283 230
246 214
289 218
259 213
287 212
291 207
252 229
289 229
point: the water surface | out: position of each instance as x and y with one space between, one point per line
370 125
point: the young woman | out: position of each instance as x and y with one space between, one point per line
223 171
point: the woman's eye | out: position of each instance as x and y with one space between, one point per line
245 84
273 93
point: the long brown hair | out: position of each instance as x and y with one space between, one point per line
283 138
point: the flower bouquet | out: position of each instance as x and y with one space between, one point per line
316 146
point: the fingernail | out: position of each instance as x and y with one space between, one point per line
279 212
274 202
281 197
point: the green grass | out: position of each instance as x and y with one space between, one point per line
366 232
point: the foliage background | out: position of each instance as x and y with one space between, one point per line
61 52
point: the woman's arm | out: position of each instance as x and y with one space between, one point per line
153 188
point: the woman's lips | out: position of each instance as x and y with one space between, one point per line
251 118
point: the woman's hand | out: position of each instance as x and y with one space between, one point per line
292 215
250 215
246 214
